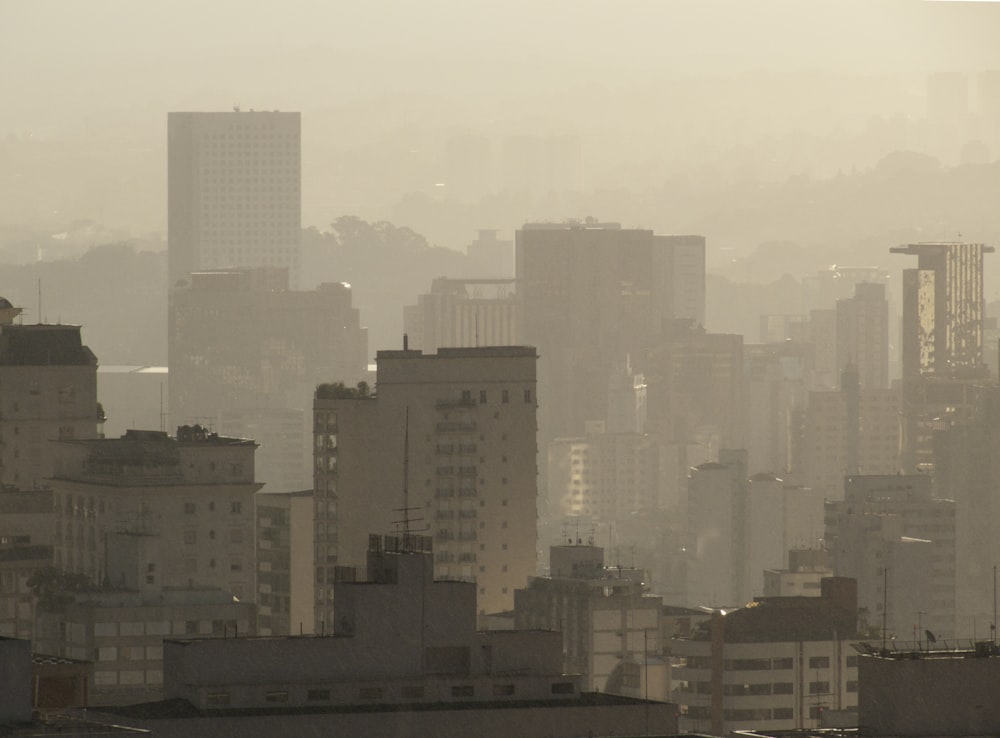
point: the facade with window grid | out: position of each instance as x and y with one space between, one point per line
469 414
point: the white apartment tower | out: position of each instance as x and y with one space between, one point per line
233 191
469 417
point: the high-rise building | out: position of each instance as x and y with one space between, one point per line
233 191
685 275
943 309
459 313
899 542
285 590
863 335
592 294
246 353
48 391
850 431
470 460
942 340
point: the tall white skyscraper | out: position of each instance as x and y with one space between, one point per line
233 191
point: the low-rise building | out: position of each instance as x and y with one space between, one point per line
610 627
776 664
123 632
928 690
399 638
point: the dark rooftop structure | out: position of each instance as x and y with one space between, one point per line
43 345
769 619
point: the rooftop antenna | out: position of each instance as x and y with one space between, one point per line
406 484
39 300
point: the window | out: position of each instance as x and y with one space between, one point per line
527 396
412 692
562 688
852 686
503 690
236 507
819 687
852 662
785 663
318 695
463 690
217 699
819 662
370 693
782 688
276 696
482 396
783 713
504 397
189 508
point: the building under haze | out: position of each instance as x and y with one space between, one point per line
942 340
246 353
179 509
593 294
48 391
863 335
468 477
898 541
233 191
460 313
779 663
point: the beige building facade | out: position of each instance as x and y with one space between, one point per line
470 482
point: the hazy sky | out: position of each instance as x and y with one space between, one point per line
124 54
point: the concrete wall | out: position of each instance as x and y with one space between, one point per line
15 680
929 697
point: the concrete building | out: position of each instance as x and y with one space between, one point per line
26 523
898 542
942 340
696 390
491 255
246 352
592 294
776 376
48 391
285 540
470 417
180 510
401 637
849 431
610 627
464 313
132 397
966 469
863 335
233 191
605 477
15 680
684 268
738 527
776 664
715 534
928 690
123 632
807 567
